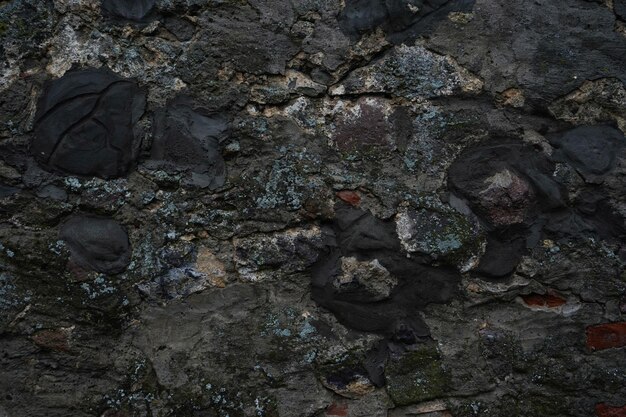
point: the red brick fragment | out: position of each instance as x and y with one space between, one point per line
543 300
606 336
603 410
350 197
337 410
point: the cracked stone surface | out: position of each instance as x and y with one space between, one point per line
84 124
295 208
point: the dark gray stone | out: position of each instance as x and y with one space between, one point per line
7 191
399 18
590 149
97 243
183 29
188 140
85 124
619 6
53 192
130 10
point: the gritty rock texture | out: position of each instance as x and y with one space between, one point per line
296 208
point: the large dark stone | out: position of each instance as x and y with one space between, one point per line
132 10
546 61
590 149
501 256
509 186
188 140
97 243
85 124
398 18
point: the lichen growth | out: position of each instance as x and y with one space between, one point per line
416 376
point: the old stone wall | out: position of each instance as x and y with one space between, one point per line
311 208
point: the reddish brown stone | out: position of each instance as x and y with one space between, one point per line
506 199
337 410
350 197
603 410
366 132
606 336
53 339
543 300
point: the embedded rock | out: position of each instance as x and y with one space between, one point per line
439 232
398 18
97 243
506 198
412 72
594 101
365 280
182 28
187 141
488 177
290 251
506 185
619 6
590 149
416 376
177 283
125 10
85 124
356 233
364 130
280 89
526 50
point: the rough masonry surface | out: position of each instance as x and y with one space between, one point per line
298 208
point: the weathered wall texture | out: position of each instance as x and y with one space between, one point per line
312 208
